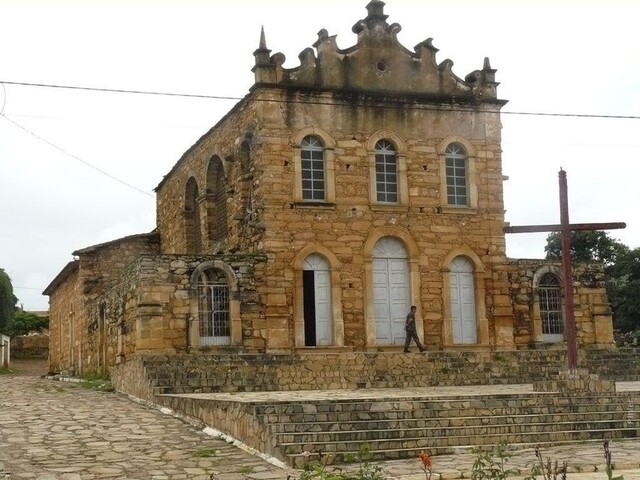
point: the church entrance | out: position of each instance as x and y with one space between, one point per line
316 285
463 307
391 295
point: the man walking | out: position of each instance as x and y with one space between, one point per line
412 333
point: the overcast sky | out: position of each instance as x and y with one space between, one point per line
561 56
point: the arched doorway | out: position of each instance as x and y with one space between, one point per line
391 292
316 286
463 305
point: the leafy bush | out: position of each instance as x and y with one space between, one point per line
24 322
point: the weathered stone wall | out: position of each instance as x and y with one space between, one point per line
591 306
357 370
30 346
66 310
344 226
153 305
230 142
79 323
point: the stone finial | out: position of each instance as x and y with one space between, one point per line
375 17
375 9
263 42
263 69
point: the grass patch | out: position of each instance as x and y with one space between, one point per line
99 382
206 452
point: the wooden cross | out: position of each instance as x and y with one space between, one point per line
565 229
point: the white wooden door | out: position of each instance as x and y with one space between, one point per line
391 299
322 298
463 307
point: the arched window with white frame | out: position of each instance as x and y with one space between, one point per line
386 171
456 174
313 169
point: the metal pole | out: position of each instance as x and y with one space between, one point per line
570 321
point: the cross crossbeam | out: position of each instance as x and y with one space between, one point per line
565 228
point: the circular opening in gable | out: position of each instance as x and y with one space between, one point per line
381 66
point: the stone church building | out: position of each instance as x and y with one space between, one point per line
326 202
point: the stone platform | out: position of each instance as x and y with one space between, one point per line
399 423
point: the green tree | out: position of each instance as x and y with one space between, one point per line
7 300
624 290
25 322
586 246
621 266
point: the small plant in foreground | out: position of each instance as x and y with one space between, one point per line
426 464
546 469
607 457
491 464
319 470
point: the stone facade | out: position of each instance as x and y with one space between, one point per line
326 202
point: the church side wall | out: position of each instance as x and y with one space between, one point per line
66 310
224 142
81 322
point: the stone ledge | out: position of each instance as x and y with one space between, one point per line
573 381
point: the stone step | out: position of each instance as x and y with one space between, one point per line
379 449
300 459
405 432
440 408
521 420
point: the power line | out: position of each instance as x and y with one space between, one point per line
75 157
223 97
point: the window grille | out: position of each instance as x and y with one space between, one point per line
214 314
386 172
550 305
456 166
313 174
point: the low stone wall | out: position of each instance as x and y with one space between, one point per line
32 346
131 378
196 373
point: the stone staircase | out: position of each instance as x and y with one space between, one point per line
401 428
394 404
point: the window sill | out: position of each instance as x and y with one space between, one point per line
379 207
458 210
311 205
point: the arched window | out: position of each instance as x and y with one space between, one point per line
313 169
216 201
386 172
551 308
213 308
456 172
192 218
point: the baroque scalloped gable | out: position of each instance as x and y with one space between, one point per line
377 62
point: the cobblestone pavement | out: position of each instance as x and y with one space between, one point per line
61 431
